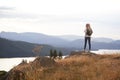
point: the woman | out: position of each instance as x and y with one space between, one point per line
88 33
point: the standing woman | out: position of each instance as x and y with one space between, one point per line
88 33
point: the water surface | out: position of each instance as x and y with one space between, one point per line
8 63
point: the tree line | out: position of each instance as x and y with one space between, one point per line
54 54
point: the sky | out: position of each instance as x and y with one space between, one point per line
61 17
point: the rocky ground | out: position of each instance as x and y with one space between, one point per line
77 66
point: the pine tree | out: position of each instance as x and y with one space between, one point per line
55 54
51 53
60 54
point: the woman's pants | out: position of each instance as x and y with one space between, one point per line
87 39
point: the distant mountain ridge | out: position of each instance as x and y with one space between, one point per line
95 45
74 37
65 41
70 37
33 38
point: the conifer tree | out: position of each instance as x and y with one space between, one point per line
51 53
55 54
60 54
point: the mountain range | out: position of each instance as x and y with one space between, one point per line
75 37
65 41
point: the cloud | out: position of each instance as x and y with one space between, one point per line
112 19
10 12
9 15
6 8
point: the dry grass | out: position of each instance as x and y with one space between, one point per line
83 67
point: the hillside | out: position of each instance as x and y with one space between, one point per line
78 66
38 38
10 48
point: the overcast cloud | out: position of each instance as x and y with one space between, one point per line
61 17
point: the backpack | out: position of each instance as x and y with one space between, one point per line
89 32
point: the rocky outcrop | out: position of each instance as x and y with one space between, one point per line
43 62
23 70
81 53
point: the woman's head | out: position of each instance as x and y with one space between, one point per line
87 25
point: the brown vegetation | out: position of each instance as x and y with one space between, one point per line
80 66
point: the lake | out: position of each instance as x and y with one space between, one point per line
107 51
8 63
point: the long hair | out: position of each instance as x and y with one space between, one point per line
88 30
88 26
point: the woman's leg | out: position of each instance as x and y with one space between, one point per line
89 42
85 42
